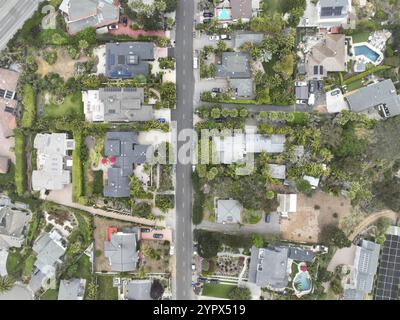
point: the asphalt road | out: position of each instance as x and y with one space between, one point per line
184 117
13 14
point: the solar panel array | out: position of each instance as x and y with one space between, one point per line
389 270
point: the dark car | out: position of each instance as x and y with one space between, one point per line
320 85
145 230
208 15
267 218
226 37
216 90
158 236
219 120
312 86
208 20
125 21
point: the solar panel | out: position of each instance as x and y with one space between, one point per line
315 69
388 278
326 12
337 11
2 93
321 69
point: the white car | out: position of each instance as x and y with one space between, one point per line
171 250
215 37
193 266
300 83
301 101
195 62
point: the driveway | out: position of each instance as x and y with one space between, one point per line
154 137
342 256
203 85
3 262
18 292
204 40
271 228
167 235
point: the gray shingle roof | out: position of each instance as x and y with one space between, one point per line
121 251
139 290
268 267
13 223
381 93
127 151
81 14
302 92
241 9
300 254
73 289
128 59
234 65
228 211
49 252
277 171
242 87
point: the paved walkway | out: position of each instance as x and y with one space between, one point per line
18 292
371 219
64 197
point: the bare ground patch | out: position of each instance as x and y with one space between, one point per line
65 65
101 263
313 213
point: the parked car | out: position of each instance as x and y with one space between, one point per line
193 266
301 101
208 14
214 37
162 120
312 87
171 250
145 230
214 281
113 27
300 83
158 236
216 90
195 62
225 37
267 218
335 92
320 85
125 21
207 20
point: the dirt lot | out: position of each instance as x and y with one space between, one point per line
312 214
100 226
65 65
154 256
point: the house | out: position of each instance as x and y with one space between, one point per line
333 12
232 149
72 289
4 164
53 161
328 55
50 248
242 37
335 101
388 281
241 9
300 254
121 250
242 88
269 267
128 59
234 65
314 182
365 267
287 204
13 224
123 149
8 101
379 98
138 290
82 14
228 211
116 105
277 171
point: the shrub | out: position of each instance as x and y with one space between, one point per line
165 202
77 168
20 165
29 106
50 57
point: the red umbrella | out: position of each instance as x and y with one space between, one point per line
112 160
104 161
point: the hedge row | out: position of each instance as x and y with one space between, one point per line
20 165
77 169
29 107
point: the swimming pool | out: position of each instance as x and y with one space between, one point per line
367 52
302 281
224 14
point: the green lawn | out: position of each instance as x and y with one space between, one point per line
354 85
105 290
217 290
51 294
84 268
360 37
72 106
28 266
14 265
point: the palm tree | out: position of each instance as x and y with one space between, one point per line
6 284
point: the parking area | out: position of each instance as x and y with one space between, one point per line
202 40
206 85
166 234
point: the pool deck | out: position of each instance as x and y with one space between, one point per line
376 50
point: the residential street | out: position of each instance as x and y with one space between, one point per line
13 14
184 117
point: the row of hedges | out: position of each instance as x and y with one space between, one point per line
20 165
77 169
198 201
366 73
29 107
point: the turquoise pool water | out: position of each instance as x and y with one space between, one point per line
224 14
367 52
303 281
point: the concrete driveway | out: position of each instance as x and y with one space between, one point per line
204 40
206 85
3 262
18 292
167 235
